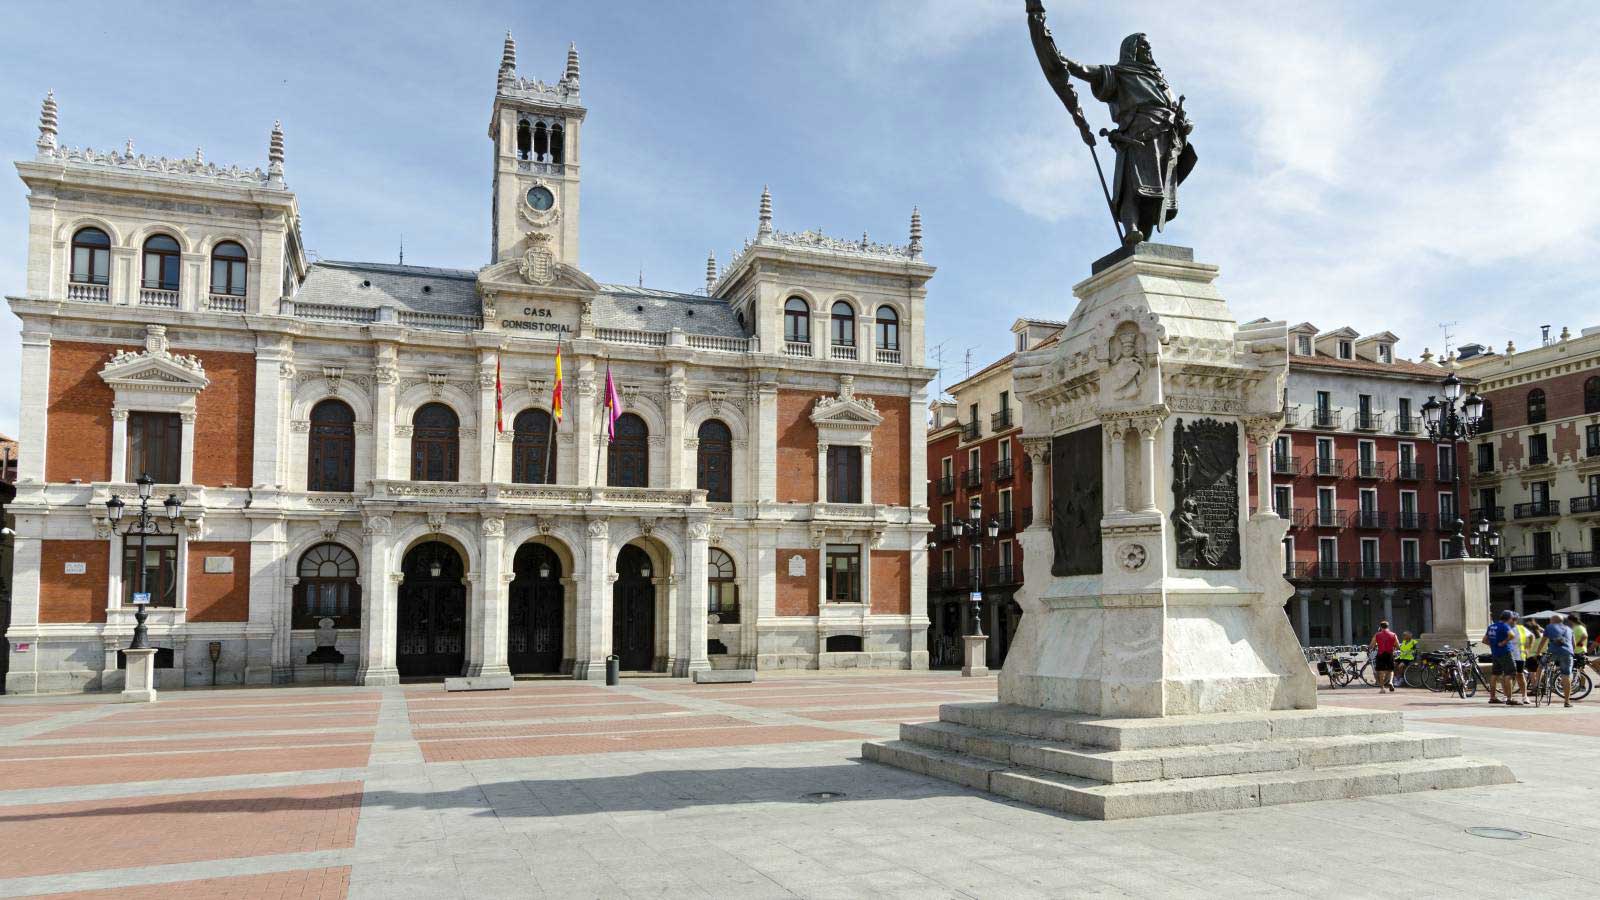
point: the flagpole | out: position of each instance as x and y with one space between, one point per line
550 435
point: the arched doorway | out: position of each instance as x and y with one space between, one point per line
633 611
431 632
534 628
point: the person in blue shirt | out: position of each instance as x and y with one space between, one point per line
1503 671
1556 647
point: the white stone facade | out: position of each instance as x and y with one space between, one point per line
387 341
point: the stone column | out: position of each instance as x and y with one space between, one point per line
35 391
1305 619
692 588
386 379
1347 629
1427 610
125 276
589 468
1574 593
193 284
379 598
119 445
764 442
1149 430
917 489
1038 451
592 636
486 415
186 459
822 472
866 473
26 551
487 621
1262 431
271 600
282 632
1388 606
677 407
1117 483
1516 599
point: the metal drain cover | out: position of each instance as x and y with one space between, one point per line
1499 834
823 796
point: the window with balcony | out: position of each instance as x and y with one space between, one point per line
1591 440
1538 449
628 459
91 257
1324 410
155 446
844 324
1447 462
1536 408
797 321
160 568
1404 422
1366 419
1367 465
844 474
888 328
1447 509
1282 499
162 258
1485 458
531 459
228 264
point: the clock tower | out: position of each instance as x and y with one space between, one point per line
535 130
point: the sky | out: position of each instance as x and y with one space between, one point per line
1388 166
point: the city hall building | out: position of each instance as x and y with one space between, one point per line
372 483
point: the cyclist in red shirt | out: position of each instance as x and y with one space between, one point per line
1385 642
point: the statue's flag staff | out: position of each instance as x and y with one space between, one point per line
1045 46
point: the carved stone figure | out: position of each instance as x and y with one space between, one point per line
1151 139
1126 378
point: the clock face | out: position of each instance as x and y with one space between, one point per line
540 198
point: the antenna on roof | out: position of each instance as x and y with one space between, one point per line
641 274
938 359
402 249
967 362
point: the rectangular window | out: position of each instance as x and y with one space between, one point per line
947 466
1005 505
1410 554
1408 455
1539 492
1538 449
1485 457
1447 509
1325 448
1324 401
1346 350
1369 552
1591 440
844 573
844 474
949 561
1541 549
160 569
1447 459
974 459
1282 499
1385 354
1369 500
155 444
949 513
1368 453
1303 344
1327 550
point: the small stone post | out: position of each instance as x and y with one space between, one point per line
140 685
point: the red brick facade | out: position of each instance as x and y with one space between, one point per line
219 597
797 449
891 452
72 599
1563 397
225 420
891 582
797 594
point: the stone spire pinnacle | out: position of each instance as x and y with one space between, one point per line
711 271
47 123
765 227
916 232
127 149
571 76
199 156
508 60
275 153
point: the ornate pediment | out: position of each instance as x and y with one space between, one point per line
535 271
846 410
155 368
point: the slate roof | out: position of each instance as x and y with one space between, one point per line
435 290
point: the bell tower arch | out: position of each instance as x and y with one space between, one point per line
535 129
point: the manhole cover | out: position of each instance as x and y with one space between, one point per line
1500 834
823 796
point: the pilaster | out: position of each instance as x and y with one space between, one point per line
593 607
379 601
489 611
34 382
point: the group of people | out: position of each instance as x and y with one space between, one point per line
1518 652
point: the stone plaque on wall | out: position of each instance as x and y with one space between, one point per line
1075 483
797 566
1205 494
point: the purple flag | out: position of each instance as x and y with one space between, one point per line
613 406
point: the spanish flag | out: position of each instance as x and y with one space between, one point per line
555 393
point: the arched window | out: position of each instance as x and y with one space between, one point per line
328 588
435 443
888 328
628 460
541 142
844 324
714 461
558 144
91 257
227 269
1535 406
722 596
531 462
524 140
331 457
797 321
161 259
1591 395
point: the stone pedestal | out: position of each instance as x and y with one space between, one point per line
140 685
976 661
1154 670
1460 603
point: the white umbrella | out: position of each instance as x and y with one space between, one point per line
1591 608
1540 616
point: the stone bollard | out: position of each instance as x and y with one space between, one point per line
976 662
140 685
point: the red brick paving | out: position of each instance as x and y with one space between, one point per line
460 751
16 775
300 884
511 713
820 701
874 713
111 728
117 748
55 838
1556 720
608 726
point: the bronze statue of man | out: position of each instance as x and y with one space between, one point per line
1151 139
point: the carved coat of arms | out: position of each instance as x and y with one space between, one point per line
538 264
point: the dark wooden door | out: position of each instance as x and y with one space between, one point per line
534 631
431 632
633 611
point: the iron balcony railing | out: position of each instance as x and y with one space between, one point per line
1583 505
1410 570
1324 418
969 431
1582 559
1005 518
1372 570
944 532
1285 465
1001 420
1446 473
1001 576
944 580
1027 517
1409 470
1322 570
1371 468
973 477
1319 517
1539 459
1534 562
1485 466
1326 466
1366 420
1371 518
1291 417
1492 513
1003 470
1407 424
1538 509
1411 520
968 579
1591 450
946 485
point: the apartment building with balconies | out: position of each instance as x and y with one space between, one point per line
1536 469
1369 498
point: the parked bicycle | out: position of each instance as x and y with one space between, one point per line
1546 685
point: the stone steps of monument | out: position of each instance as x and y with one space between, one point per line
1175 731
1099 800
1120 766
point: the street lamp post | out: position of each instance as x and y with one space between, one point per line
1448 424
975 528
144 526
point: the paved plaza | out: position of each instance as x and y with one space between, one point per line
661 788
